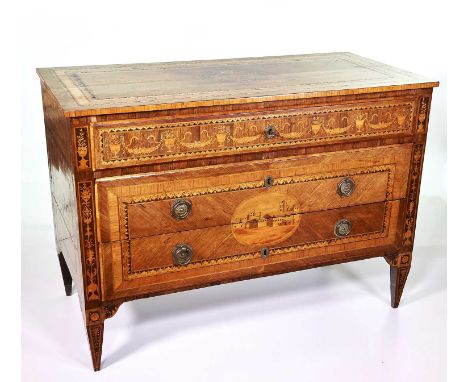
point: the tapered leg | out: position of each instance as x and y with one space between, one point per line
95 318
399 268
95 337
67 279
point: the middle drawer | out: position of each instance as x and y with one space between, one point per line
255 193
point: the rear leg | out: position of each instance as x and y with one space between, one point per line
66 275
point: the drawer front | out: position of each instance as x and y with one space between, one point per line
135 143
146 265
284 234
139 206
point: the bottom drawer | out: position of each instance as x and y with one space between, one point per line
216 254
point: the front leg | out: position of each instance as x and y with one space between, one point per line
95 338
95 330
400 265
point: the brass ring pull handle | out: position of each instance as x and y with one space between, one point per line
181 208
342 228
346 187
182 254
271 132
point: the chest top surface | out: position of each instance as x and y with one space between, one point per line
103 89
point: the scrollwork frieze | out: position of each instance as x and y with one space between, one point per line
134 144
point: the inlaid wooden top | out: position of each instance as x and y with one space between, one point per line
92 90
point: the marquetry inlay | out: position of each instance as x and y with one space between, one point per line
139 143
173 176
125 249
266 219
82 148
412 202
87 222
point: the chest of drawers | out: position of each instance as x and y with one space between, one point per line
172 176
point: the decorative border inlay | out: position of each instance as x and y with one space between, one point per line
136 144
86 204
422 115
95 336
256 254
399 260
82 148
94 315
261 184
98 315
125 242
412 200
379 74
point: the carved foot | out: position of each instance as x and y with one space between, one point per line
399 268
67 279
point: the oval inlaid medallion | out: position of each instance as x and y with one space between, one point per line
266 219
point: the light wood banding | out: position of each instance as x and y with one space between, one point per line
107 89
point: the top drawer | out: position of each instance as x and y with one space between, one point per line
140 142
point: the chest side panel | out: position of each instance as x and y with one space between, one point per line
62 185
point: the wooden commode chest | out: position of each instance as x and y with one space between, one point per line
172 176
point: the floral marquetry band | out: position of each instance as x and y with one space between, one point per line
138 143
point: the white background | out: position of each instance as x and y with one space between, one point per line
327 324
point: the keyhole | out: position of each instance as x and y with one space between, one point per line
268 181
270 132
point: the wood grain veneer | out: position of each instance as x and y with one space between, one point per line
109 89
277 164
142 204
